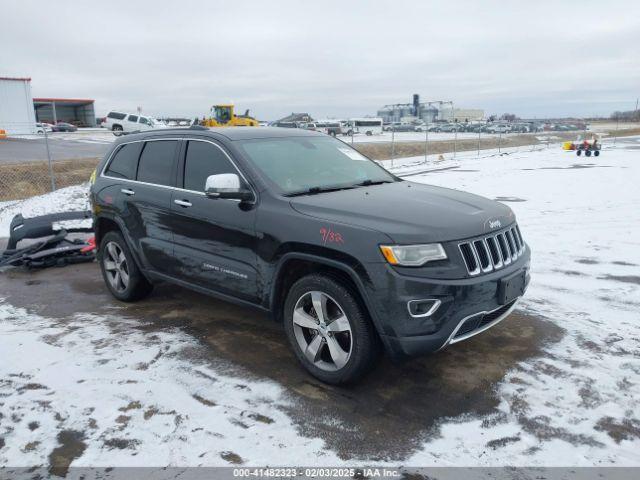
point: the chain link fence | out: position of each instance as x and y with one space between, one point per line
28 163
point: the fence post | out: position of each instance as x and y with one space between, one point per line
455 140
46 142
478 141
393 144
499 141
426 142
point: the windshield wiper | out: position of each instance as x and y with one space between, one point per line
314 190
368 182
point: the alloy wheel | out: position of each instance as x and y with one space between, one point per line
115 266
322 331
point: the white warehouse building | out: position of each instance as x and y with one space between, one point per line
17 116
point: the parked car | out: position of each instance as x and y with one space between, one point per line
401 127
120 123
307 229
41 128
498 128
285 124
449 127
332 128
64 127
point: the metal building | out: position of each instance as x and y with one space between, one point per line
16 106
399 112
77 111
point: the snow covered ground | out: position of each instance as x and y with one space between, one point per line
124 397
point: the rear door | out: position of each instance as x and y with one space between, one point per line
147 202
214 239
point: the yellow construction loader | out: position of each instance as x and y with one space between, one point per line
224 116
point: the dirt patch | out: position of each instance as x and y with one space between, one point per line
383 150
541 427
502 442
260 418
24 180
121 443
71 446
622 278
623 263
587 261
626 429
132 406
231 457
203 400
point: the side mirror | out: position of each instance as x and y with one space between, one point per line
226 185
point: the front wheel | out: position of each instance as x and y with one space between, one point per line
122 276
596 153
587 153
329 330
579 152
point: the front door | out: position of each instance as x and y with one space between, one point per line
214 239
147 203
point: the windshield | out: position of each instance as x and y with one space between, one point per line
300 164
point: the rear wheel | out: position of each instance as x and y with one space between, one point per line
579 152
117 130
329 330
587 153
119 270
596 153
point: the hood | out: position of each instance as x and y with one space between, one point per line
409 212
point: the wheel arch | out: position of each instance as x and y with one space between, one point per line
295 265
104 224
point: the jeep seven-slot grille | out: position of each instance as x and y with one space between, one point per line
491 252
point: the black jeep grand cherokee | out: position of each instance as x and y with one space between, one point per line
299 224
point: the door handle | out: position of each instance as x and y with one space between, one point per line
126 191
183 203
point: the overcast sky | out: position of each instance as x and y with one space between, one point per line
329 58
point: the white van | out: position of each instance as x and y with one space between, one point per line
120 123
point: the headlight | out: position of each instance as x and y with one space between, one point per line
413 255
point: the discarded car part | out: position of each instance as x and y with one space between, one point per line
42 226
56 250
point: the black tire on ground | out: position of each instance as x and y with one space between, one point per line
136 285
369 133
579 152
596 153
365 344
350 132
117 130
587 153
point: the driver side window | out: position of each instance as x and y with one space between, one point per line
203 159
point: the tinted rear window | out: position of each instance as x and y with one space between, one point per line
125 161
116 115
133 118
156 162
204 159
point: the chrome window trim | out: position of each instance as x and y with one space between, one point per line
451 340
110 159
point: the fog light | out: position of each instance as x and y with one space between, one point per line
423 308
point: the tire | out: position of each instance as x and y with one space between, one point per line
587 153
350 133
596 153
369 133
353 337
117 130
120 272
579 152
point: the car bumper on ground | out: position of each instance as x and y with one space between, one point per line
417 316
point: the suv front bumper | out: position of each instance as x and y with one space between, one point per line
466 307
